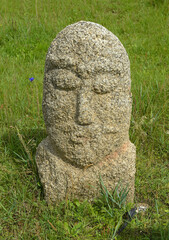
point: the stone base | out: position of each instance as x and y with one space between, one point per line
63 181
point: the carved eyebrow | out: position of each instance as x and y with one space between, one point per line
63 79
68 62
61 62
104 83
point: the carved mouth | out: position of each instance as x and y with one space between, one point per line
89 136
110 129
79 139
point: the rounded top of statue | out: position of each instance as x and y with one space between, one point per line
88 47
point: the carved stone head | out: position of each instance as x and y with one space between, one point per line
87 99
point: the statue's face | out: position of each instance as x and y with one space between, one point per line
87 113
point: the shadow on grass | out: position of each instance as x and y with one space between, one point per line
20 147
160 233
31 137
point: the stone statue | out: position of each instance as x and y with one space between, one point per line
87 108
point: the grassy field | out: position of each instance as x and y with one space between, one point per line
27 28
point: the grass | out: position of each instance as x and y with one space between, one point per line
27 28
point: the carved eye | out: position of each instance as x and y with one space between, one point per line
104 84
63 79
101 88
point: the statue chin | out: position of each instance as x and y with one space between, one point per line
85 149
79 154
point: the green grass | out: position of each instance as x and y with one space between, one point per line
27 28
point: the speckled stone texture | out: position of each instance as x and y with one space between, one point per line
87 108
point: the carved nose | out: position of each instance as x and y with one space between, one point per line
85 115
